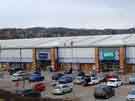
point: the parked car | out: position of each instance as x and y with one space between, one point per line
14 70
79 79
56 76
65 79
28 92
104 91
132 79
87 79
131 95
16 78
36 77
81 73
19 75
39 87
111 76
90 80
68 71
113 82
101 77
36 72
94 80
61 89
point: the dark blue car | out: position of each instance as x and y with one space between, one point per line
65 79
36 77
56 76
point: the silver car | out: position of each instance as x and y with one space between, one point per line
20 75
61 89
78 79
132 79
131 95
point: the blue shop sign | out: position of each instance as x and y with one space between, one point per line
43 56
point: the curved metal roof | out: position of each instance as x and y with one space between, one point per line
75 41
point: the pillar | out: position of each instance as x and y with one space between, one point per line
34 62
54 59
122 59
97 64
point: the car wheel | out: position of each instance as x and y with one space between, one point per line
113 94
107 96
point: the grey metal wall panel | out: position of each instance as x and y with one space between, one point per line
76 55
130 55
15 55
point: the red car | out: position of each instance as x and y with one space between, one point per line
40 87
111 76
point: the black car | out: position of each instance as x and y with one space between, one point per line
104 91
68 71
86 81
81 74
56 76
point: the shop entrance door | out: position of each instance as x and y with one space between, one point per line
106 67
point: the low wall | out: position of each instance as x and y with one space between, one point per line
8 96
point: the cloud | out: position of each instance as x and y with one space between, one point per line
67 13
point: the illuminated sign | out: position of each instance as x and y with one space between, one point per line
108 55
43 56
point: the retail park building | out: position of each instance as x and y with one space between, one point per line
99 52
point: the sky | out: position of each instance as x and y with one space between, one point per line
91 14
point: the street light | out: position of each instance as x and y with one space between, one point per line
71 54
71 44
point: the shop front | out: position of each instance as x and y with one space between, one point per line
43 58
109 59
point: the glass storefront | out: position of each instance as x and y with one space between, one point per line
109 67
109 59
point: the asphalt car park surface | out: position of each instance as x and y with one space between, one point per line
85 93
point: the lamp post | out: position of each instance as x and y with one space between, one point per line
72 54
72 64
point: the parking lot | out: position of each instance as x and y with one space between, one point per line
85 93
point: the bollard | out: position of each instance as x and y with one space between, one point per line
17 84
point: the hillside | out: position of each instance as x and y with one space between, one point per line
12 33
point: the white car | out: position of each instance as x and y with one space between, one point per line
114 82
16 78
61 89
131 95
20 75
94 80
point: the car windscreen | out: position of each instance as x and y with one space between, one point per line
57 87
132 77
99 90
79 77
132 92
111 80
